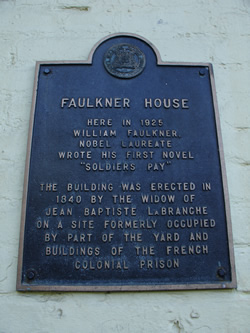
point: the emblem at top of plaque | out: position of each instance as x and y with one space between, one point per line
124 61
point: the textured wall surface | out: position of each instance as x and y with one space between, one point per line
216 31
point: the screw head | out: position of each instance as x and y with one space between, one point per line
221 272
30 274
46 71
202 72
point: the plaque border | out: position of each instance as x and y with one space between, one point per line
134 287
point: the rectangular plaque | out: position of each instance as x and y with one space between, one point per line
125 185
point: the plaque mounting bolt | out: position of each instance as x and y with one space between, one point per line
221 272
31 273
46 71
202 72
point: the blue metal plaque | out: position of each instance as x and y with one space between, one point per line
125 186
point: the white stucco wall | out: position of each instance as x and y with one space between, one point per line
216 31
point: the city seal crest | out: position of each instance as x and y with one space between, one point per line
124 61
